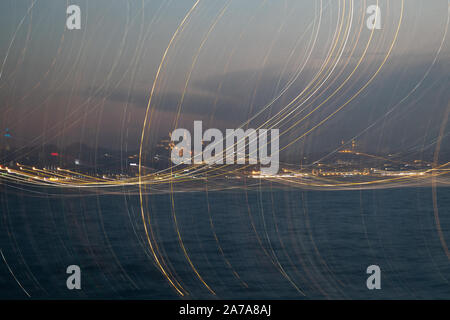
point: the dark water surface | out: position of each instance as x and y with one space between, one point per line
271 244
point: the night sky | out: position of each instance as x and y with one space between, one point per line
226 63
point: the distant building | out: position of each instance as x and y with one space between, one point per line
6 145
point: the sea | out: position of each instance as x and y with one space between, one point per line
263 243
